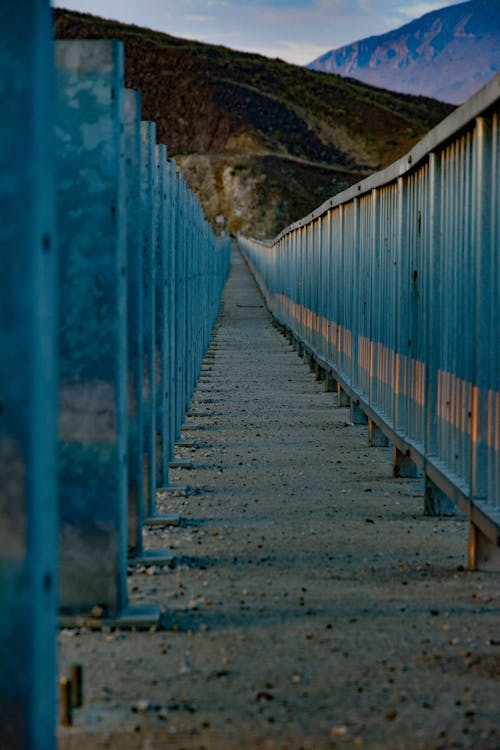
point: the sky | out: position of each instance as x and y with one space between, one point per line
297 31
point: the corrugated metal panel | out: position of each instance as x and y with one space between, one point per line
395 286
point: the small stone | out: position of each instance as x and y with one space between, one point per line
185 668
391 714
296 679
141 706
263 696
339 730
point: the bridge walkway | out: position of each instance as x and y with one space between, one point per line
310 603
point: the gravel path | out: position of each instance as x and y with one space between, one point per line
311 604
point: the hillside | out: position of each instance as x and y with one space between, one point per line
260 141
447 54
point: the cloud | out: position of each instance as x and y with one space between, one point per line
301 53
293 52
420 8
193 18
281 4
295 30
394 22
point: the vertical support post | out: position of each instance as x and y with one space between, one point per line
92 330
77 685
437 503
483 244
156 221
28 500
376 438
358 416
430 289
148 140
172 303
330 383
320 372
482 456
355 289
92 326
342 397
161 315
180 280
403 466
65 702
190 301
376 297
93 425
401 390
185 306
484 554
134 319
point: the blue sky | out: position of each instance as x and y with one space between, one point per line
295 30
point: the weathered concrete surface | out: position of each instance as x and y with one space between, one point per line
314 606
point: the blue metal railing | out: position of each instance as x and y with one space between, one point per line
125 380
393 286
111 284
28 500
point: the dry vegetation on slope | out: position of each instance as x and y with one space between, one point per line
260 141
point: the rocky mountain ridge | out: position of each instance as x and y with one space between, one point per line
447 54
260 141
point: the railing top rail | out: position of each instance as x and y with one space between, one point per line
457 121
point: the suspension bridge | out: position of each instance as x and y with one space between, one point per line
150 435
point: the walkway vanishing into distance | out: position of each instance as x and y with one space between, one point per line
309 603
294 595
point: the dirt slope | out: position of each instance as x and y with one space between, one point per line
261 141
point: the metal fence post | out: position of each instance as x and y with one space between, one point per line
148 145
172 304
482 272
180 341
92 332
161 317
28 499
484 471
134 319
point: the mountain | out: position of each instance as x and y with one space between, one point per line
260 141
447 54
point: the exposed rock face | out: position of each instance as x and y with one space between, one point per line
447 54
260 141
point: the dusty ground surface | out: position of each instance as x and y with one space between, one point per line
311 604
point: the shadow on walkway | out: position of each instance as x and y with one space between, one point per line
311 604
